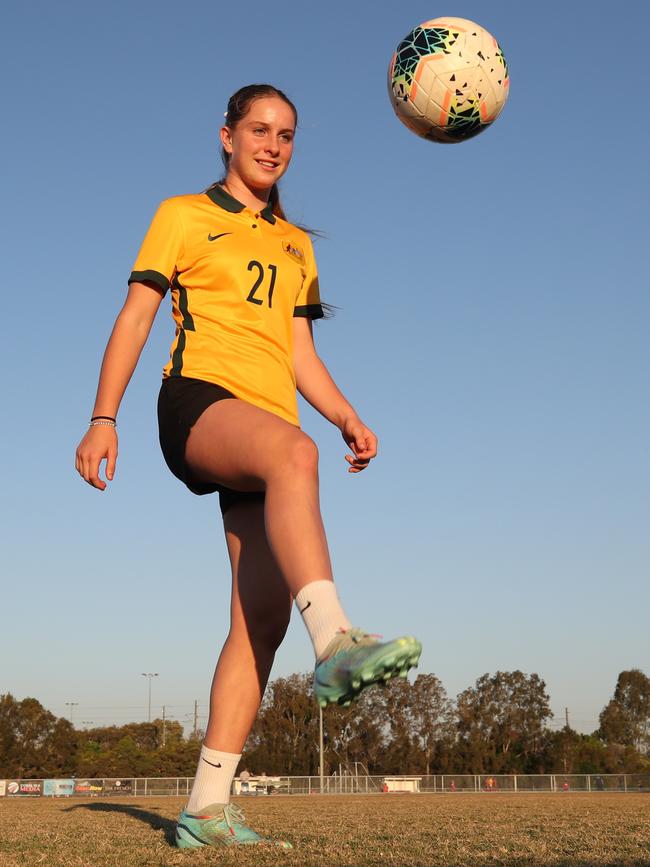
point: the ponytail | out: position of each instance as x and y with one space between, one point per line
274 200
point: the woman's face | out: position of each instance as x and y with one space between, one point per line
261 144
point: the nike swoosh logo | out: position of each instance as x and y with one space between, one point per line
214 237
218 765
305 608
191 833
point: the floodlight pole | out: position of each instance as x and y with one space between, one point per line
149 675
71 704
320 748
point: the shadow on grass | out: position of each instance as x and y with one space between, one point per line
146 816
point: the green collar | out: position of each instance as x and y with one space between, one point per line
220 197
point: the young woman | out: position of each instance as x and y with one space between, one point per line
244 291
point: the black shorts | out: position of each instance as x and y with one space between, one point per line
180 404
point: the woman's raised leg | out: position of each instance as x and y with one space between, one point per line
246 448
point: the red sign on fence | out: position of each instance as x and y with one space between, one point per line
33 788
88 787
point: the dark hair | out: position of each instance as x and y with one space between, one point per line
238 107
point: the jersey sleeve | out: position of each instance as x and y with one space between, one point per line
308 300
161 248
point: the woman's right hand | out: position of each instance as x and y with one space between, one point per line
99 443
129 335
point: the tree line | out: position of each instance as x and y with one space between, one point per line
500 725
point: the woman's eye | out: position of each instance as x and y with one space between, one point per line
259 131
286 138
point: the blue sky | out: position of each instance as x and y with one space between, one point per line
492 329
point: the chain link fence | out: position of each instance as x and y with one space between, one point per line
338 784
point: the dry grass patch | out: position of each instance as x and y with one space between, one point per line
560 829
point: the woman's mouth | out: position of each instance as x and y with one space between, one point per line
267 164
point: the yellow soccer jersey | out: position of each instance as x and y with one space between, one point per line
237 279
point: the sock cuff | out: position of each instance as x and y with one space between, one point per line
322 613
219 757
315 589
220 754
213 780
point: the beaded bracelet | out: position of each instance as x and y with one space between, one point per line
102 424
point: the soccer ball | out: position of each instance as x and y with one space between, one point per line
448 79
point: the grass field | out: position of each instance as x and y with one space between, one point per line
570 829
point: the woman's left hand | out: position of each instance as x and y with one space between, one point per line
362 441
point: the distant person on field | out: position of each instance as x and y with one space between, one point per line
244 291
244 778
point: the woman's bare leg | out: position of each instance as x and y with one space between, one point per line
259 616
243 447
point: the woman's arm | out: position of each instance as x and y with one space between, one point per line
129 335
318 388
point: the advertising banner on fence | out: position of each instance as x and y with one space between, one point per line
88 787
118 787
3 787
58 788
24 788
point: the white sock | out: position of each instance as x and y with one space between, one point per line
213 779
322 613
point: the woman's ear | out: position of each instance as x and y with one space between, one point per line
226 140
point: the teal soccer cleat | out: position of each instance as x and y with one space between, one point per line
354 660
218 825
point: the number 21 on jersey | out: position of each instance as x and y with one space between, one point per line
266 294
